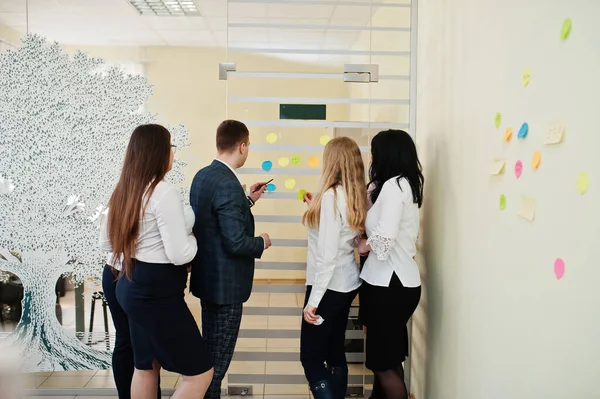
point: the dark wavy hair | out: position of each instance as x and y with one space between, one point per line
394 154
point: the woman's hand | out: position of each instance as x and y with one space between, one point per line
308 198
363 247
310 314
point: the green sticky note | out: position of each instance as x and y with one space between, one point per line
498 120
295 160
502 202
301 194
583 182
566 29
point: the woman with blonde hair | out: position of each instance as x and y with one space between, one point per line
150 242
335 216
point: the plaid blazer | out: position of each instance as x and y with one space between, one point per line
223 269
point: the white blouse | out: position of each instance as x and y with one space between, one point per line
330 262
392 228
164 230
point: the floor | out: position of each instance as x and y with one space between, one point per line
266 357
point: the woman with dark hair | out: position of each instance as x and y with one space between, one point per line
391 287
150 242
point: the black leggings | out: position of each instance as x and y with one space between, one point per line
324 346
122 360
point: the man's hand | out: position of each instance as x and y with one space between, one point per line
257 190
266 239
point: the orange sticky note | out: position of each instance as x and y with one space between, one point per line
313 162
537 158
508 134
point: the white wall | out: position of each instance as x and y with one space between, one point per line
498 323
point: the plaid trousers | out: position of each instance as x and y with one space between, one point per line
220 328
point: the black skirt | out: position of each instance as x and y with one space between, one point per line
385 312
161 325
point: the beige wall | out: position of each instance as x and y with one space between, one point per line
500 325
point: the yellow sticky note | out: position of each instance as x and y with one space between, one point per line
508 134
284 161
272 138
324 139
536 159
313 162
290 183
555 132
526 78
527 207
583 182
301 194
498 167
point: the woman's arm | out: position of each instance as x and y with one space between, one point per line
330 227
180 246
382 238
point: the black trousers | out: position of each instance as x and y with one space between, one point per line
220 328
323 346
122 360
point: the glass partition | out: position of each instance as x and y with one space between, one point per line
297 72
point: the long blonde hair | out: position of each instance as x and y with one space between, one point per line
342 165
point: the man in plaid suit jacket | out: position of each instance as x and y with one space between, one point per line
223 269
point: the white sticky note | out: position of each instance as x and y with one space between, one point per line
555 132
527 207
498 167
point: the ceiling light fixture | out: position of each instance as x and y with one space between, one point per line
165 8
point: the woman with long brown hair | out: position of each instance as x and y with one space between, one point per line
335 216
149 239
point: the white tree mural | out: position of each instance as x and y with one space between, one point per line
64 127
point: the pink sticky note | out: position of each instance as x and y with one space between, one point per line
559 268
518 169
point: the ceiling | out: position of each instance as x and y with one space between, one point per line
116 23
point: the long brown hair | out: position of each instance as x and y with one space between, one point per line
342 165
147 161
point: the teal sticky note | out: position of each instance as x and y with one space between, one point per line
267 165
271 187
523 131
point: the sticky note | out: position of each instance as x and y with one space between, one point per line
290 183
555 132
497 167
583 181
267 165
502 202
324 139
523 131
526 77
527 207
565 31
301 194
296 160
313 162
559 268
518 169
272 138
508 134
271 187
536 159
284 161
498 120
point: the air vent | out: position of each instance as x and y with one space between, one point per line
166 8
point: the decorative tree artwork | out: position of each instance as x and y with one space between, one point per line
64 126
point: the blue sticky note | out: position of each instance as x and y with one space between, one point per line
267 165
271 187
523 131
